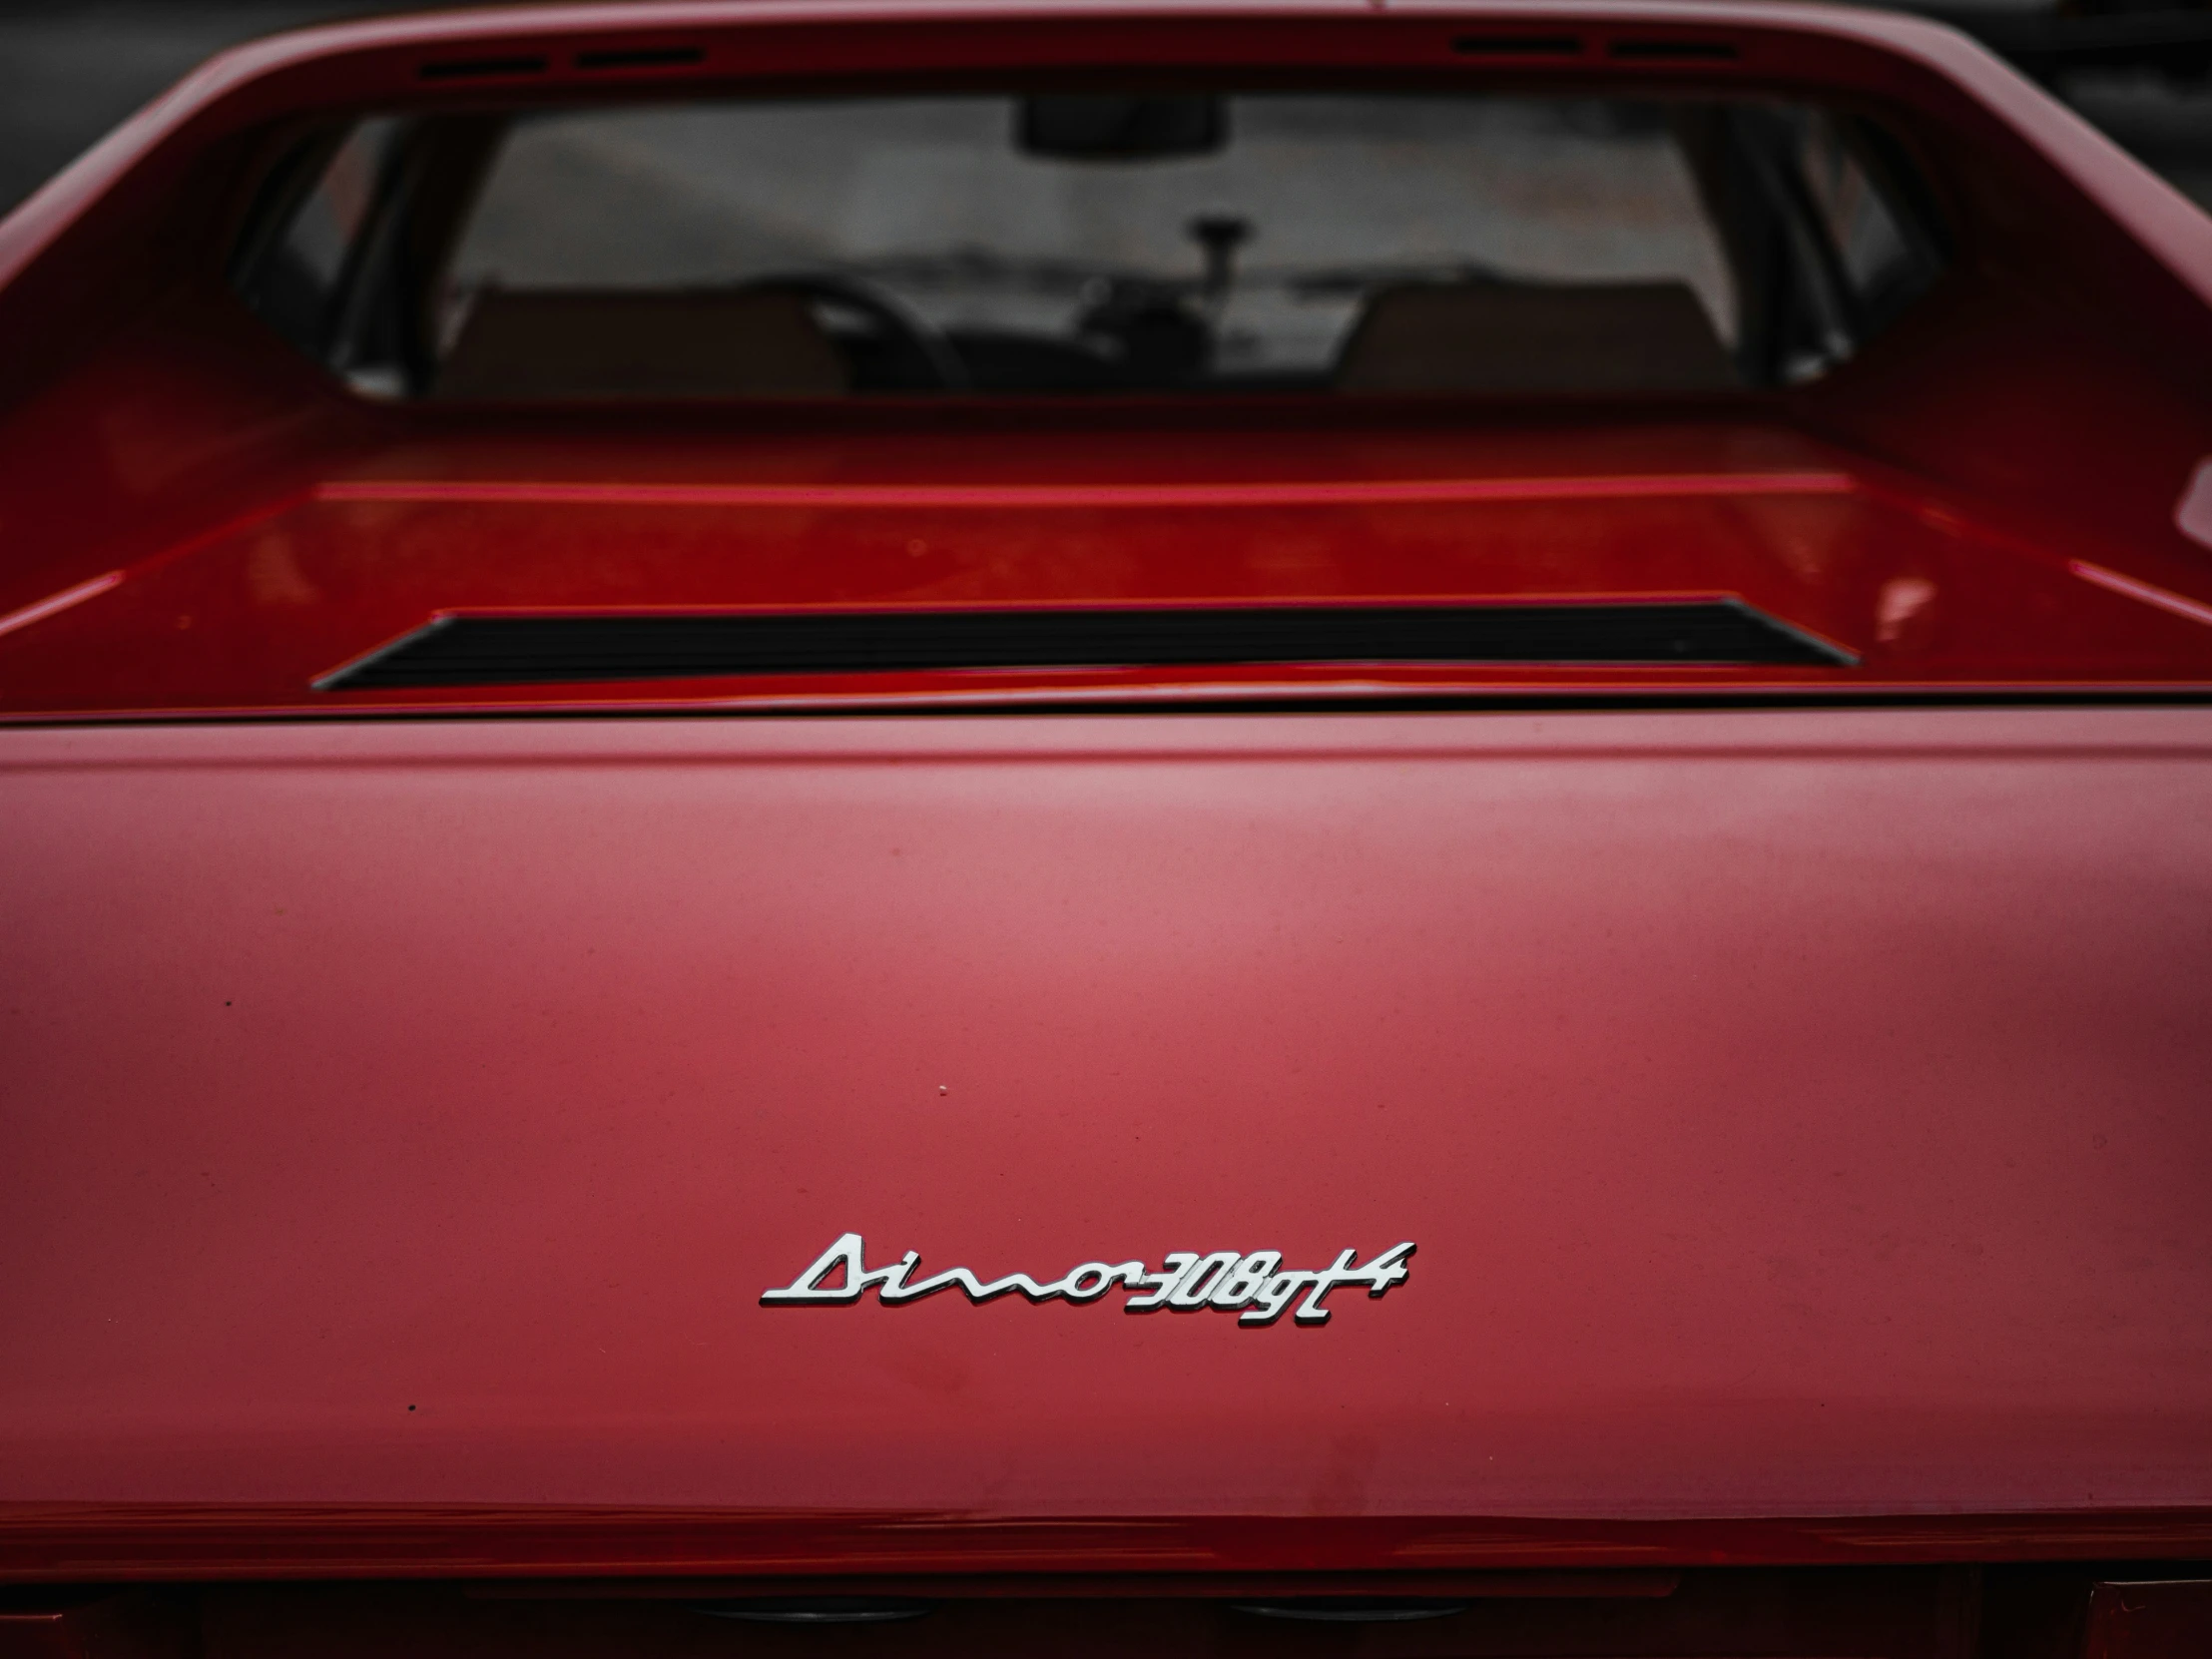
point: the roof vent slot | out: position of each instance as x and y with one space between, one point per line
483 69
1517 46
1673 50
641 57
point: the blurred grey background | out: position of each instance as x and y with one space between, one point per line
72 69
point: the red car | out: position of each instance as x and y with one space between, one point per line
728 723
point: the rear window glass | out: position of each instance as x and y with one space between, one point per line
1179 244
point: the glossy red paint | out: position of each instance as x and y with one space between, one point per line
251 615
1935 506
1800 1114
1797 1114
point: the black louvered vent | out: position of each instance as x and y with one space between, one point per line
1674 51
464 649
485 69
1516 46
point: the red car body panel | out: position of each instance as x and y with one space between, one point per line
200 492
251 612
1799 1110
1798 1114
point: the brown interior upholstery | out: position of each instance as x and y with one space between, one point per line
702 344
1534 337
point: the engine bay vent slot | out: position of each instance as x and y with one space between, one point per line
462 649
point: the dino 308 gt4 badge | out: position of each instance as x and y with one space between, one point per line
1254 1285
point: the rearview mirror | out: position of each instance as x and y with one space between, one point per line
1096 127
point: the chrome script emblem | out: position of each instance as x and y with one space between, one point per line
1256 1287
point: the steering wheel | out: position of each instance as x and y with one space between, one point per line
888 315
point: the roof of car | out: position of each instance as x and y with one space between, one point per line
375 59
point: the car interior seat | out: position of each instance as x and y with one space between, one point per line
1501 336
730 342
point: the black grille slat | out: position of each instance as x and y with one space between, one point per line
464 649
